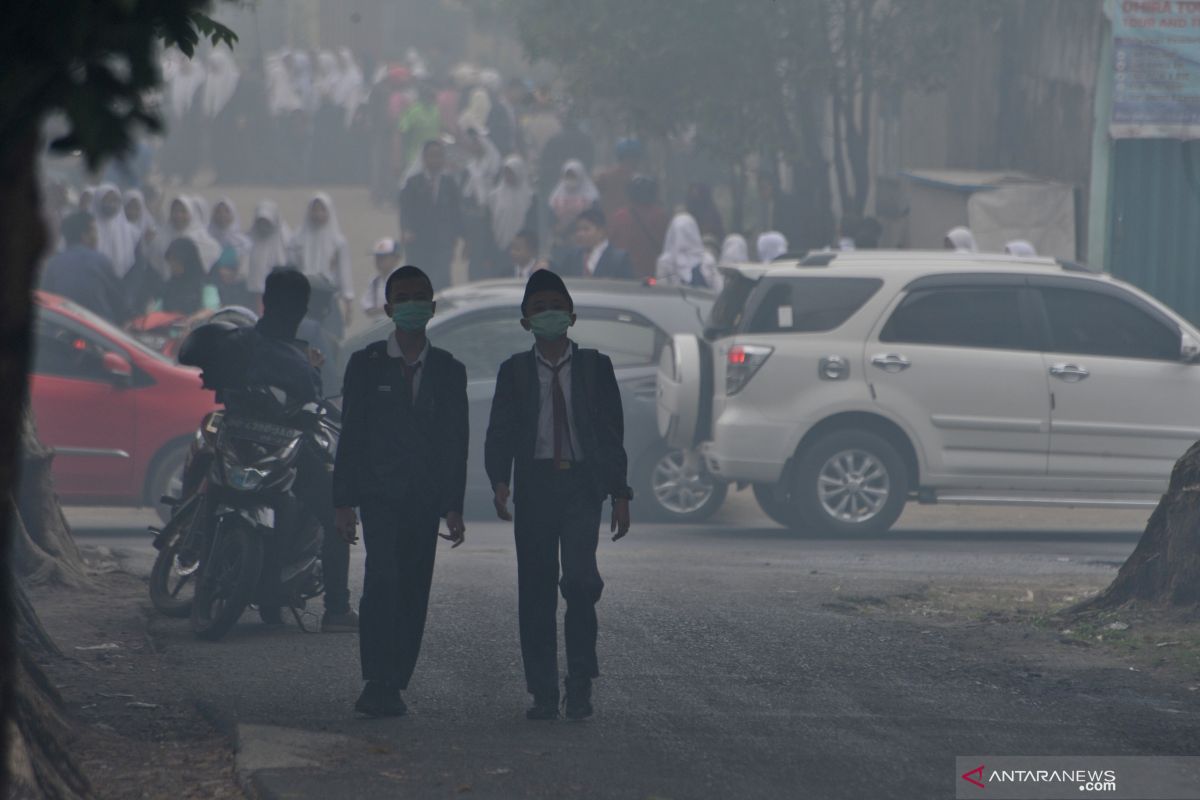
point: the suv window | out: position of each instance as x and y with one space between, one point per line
730 303
626 338
482 341
987 317
809 305
1091 323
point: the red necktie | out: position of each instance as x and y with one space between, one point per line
561 428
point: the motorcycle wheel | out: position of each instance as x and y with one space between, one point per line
227 580
171 591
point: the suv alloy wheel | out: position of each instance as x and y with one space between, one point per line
848 483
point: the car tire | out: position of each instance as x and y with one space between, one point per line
697 499
773 504
166 477
848 483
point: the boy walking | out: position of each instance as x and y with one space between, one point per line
556 416
402 462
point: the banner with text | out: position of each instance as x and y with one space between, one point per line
1156 69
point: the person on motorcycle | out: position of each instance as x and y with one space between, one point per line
269 354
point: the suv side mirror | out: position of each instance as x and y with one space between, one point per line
117 368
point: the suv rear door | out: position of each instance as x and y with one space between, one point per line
956 359
1124 403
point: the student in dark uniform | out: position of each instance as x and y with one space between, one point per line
402 461
557 416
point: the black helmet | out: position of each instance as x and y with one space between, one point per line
204 343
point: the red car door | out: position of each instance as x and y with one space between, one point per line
84 409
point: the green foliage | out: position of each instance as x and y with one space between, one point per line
93 62
745 72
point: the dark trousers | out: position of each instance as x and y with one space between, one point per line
314 488
559 517
401 542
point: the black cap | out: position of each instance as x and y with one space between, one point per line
543 280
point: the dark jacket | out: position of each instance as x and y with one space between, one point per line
614 263
391 450
256 357
435 225
86 277
599 422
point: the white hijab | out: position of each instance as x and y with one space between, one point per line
961 240
145 222
567 201
349 92
210 248
328 77
475 115
481 171
116 236
684 252
734 249
221 82
269 252
510 204
770 246
1020 247
282 97
184 77
324 250
232 236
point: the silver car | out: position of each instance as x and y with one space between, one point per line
628 321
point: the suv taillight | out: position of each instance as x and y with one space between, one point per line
743 361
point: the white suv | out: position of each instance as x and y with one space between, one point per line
844 384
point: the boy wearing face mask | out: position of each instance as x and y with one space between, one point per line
557 422
402 462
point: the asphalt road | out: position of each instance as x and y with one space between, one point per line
728 670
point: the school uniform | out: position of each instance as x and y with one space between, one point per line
562 448
402 461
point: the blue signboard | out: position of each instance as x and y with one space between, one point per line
1156 69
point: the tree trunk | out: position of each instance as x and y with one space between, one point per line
1164 569
33 728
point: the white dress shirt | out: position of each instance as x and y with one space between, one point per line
544 447
394 351
374 296
524 271
593 259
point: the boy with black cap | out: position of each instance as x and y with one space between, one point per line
557 416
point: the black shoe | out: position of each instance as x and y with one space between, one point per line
545 707
379 699
579 698
270 615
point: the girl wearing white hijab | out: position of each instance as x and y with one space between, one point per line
137 213
734 249
221 83
483 163
226 228
479 107
510 202
269 236
770 246
573 194
1021 248
685 261
960 240
186 219
319 248
115 236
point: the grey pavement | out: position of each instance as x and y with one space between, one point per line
727 672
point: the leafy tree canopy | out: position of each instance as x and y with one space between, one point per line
93 61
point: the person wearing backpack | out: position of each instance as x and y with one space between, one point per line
557 428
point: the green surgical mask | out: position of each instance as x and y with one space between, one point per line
550 324
413 315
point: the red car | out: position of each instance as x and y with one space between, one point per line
119 415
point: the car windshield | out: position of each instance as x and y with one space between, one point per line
110 331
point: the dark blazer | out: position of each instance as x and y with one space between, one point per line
614 263
393 450
599 422
436 225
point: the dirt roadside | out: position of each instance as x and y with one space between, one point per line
135 738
